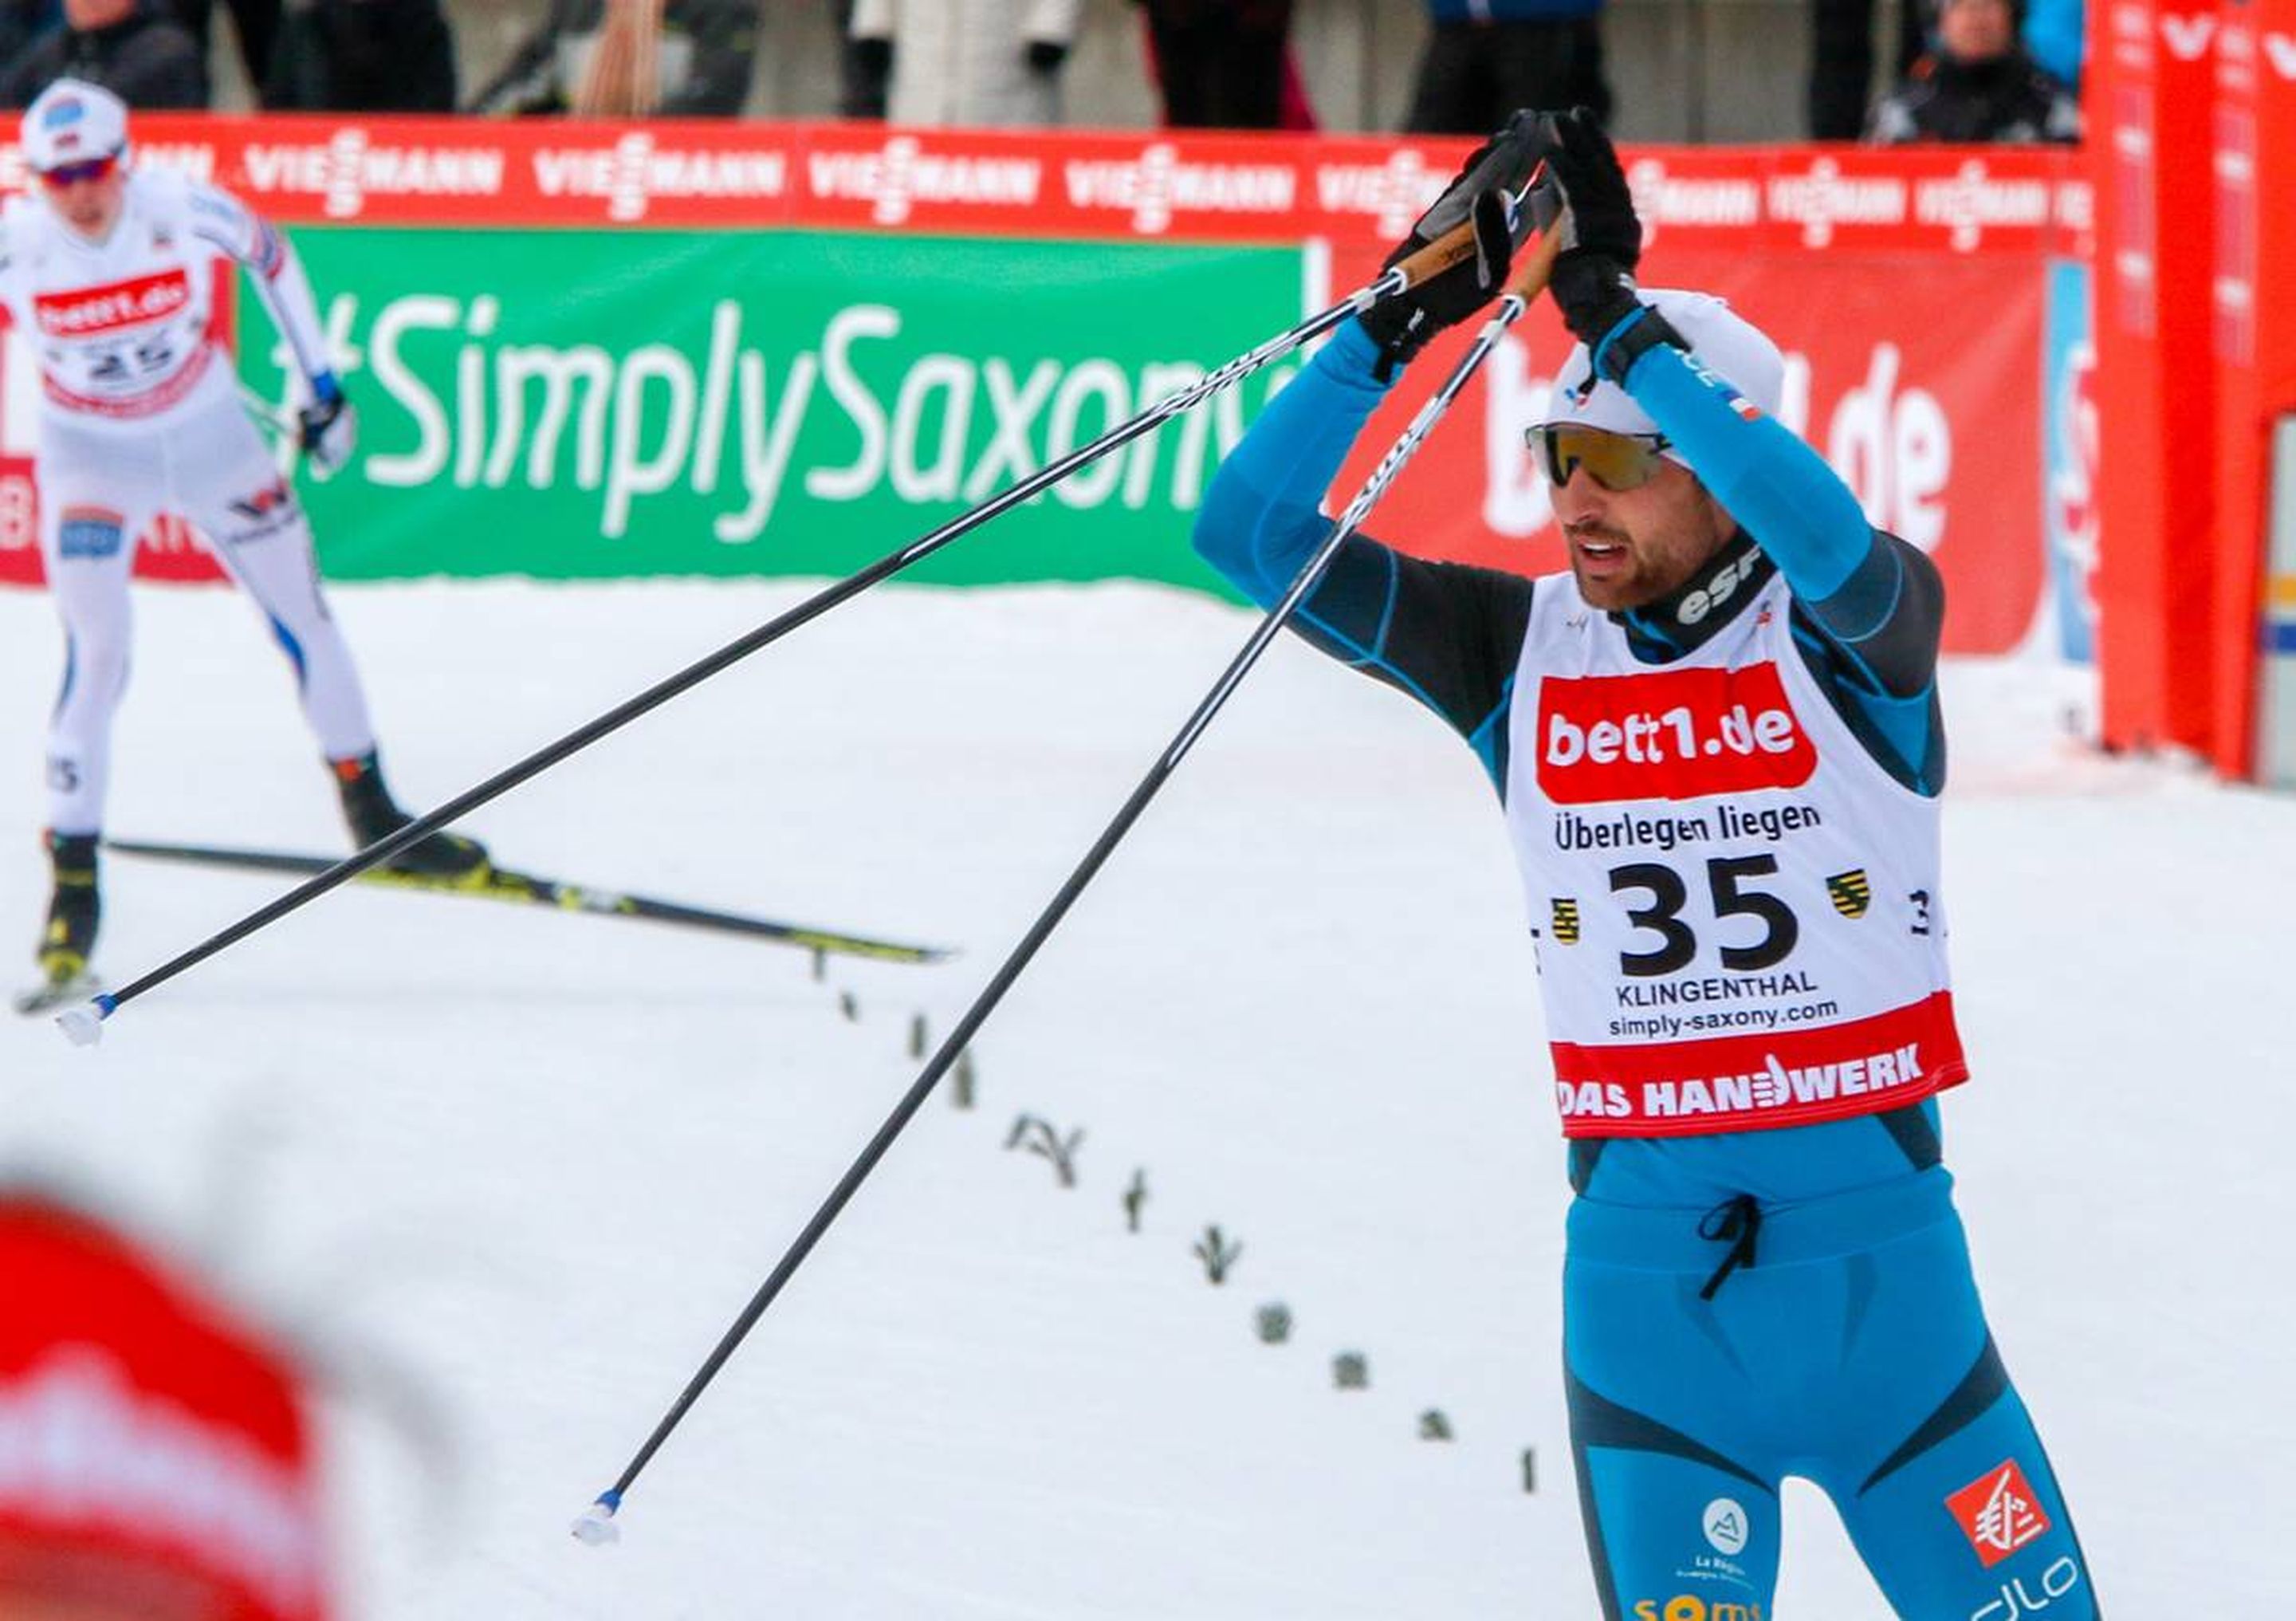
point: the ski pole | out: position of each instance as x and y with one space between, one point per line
597 1523
283 422
84 1024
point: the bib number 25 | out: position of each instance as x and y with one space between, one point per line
1677 945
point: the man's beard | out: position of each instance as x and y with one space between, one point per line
1616 591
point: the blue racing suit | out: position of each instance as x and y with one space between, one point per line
1754 1304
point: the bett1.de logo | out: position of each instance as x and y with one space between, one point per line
1683 734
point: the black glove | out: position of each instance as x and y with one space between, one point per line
1593 283
1602 208
1046 56
327 428
1481 191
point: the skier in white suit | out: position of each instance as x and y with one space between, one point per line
109 273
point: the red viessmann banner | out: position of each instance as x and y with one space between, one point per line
1906 285
1352 191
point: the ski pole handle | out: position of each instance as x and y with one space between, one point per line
1530 277
1452 247
1457 244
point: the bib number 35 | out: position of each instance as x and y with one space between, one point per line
1677 945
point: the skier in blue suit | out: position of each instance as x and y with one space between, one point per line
1718 745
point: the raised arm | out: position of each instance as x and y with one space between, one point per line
1864 589
228 225
327 427
1870 608
1446 635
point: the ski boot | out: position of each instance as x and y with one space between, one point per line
69 940
447 858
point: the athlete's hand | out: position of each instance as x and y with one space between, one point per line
1586 165
329 426
1594 283
1482 191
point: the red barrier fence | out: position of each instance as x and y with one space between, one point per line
2193 108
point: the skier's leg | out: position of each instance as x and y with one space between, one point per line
250 518
1681 1520
94 501
1954 1504
88 525
1676 1530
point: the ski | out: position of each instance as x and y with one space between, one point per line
528 889
49 995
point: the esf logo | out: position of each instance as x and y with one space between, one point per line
1688 1606
2015 1599
1719 589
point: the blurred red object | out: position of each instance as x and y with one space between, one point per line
155 1461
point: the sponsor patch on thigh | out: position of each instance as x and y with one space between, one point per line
1999 1513
91 531
260 511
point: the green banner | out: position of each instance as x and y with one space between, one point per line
589 405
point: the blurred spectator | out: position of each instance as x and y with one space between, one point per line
133 48
1297 111
1219 64
865 67
1841 62
1485 58
21 21
156 1463
256 21
363 56
2053 37
632 58
988 62
1978 85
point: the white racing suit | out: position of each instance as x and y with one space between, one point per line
139 416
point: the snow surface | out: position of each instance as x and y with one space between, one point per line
509 1174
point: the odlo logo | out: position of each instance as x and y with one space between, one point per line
1998 1513
2018 1599
1679 734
